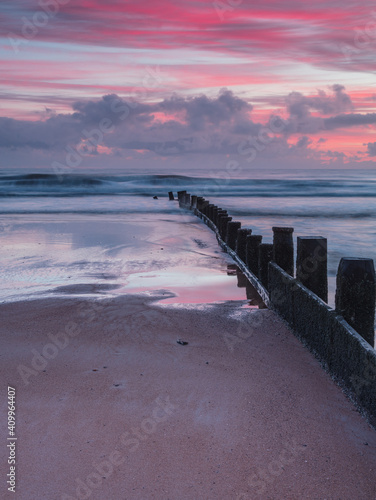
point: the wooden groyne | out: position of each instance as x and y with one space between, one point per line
341 338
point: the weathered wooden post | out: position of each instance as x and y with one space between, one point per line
312 264
194 201
242 280
204 205
223 226
187 199
220 213
171 196
355 295
253 242
215 212
283 248
210 211
220 222
241 243
232 233
265 256
200 201
253 296
180 194
207 209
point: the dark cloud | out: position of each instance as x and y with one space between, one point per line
300 109
371 148
118 123
302 121
202 111
300 106
182 126
109 106
53 133
303 141
349 120
336 155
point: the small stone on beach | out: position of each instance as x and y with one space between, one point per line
181 342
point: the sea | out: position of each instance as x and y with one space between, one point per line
60 230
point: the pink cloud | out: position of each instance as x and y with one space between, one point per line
307 31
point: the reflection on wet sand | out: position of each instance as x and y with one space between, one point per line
254 298
87 255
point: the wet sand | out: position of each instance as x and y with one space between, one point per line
120 410
46 255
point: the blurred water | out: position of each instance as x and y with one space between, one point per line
339 205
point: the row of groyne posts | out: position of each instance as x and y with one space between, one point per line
342 338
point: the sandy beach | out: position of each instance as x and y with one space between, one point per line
187 218
110 406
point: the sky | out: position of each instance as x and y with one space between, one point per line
224 85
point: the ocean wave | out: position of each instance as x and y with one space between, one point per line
45 185
308 213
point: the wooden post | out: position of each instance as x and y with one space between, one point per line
242 280
194 201
210 210
253 242
204 205
283 248
253 296
171 196
265 256
207 209
200 201
312 264
215 212
232 233
241 243
355 295
180 194
220 213
223 226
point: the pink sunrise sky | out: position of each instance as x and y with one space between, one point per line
133 85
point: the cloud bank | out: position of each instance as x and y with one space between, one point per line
176 127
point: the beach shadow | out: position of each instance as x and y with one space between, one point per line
85 288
